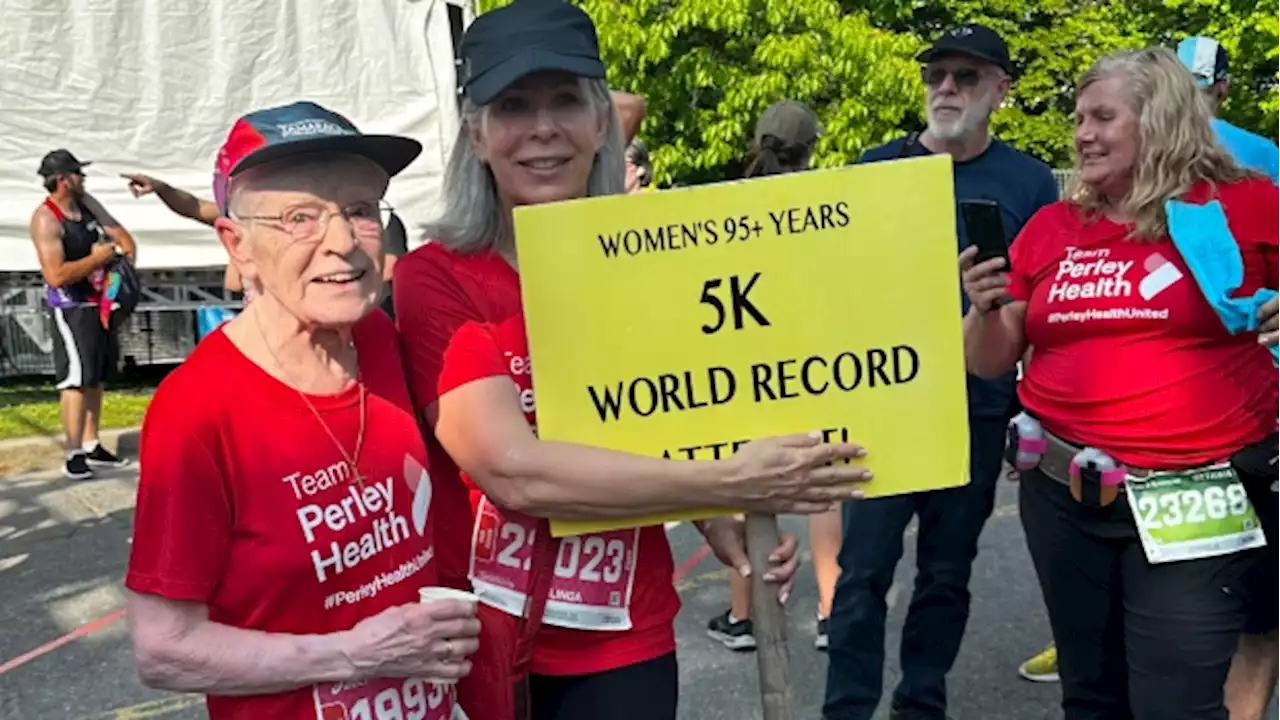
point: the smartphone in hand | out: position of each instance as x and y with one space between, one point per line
985 229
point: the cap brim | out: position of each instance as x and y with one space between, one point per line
48 173
391 152
934 53
483 88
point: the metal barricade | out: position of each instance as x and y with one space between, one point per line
161 331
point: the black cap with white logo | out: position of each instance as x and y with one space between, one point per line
978 41
527 36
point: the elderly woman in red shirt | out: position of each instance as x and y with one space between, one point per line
1134 374
285 519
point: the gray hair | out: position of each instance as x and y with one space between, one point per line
473 219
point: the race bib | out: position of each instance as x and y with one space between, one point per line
593 579
386 699
1185 515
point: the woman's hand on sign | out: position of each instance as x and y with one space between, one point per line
430 641
727 538
793 474
1268 323
984 283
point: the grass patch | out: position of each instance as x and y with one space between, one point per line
30 407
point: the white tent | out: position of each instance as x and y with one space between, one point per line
153 86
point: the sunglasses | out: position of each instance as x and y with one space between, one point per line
965 78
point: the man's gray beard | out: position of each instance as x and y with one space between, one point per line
970 122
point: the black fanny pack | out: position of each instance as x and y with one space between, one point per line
1256 463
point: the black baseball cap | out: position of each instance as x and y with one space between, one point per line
791 121
974 40
58 162
527 36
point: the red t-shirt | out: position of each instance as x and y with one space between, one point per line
461 320
246 505
1128 356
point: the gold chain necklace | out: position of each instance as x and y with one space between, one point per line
348 458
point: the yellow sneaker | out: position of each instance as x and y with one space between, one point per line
1043 667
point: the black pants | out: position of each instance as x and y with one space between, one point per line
1135 640
645 691
950 523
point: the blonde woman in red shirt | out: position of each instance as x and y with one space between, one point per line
1133 364
598 642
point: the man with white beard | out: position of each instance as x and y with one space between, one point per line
966 73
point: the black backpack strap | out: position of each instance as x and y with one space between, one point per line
909 145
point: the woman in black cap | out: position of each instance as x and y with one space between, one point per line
539 126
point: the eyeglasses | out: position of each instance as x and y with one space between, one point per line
965 78
309 222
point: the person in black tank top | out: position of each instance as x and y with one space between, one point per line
75 238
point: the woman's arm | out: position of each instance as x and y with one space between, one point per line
994 341
177 647
482 427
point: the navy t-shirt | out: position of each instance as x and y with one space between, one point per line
1020 185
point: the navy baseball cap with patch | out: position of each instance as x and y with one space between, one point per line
978 41
300 129
527 36
1205 58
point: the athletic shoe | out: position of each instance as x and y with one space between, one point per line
1043 667
101 457
820 641
734 635
77 467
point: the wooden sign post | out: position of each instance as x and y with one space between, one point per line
769 621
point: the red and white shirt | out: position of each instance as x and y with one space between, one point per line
1128 356
246 505
611 601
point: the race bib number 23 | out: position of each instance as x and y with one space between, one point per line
1185 515
594 573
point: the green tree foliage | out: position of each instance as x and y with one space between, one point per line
708 68
1248 29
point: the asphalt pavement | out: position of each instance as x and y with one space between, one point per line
64 653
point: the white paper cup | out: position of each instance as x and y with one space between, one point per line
431 594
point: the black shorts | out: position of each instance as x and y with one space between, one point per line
644 691
84 353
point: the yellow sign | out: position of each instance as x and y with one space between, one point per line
683 323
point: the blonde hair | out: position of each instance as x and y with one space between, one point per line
473 219
1176 144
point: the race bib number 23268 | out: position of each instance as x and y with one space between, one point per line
1193 514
